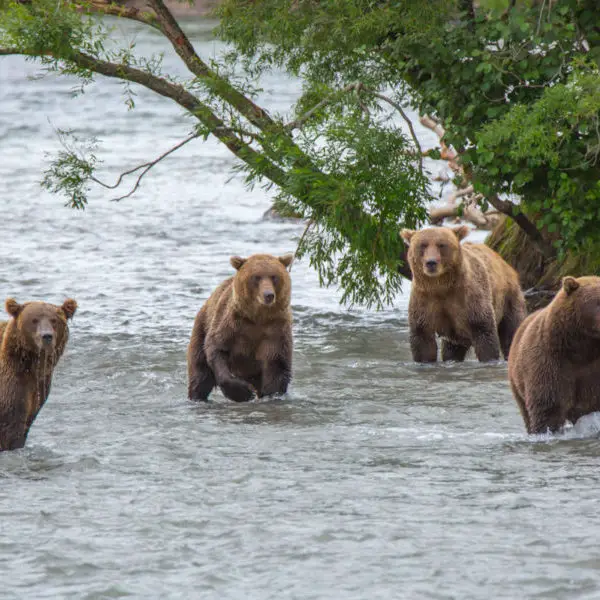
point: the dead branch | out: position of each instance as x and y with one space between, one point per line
470 212
145 168
304 233
407 121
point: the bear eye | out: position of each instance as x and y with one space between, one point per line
54 321
422 247
35 321
442 246
255 279
275 279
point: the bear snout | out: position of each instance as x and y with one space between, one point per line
47 338
431 265
268 297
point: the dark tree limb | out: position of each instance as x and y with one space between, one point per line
182 45
512 210
116 10
181 96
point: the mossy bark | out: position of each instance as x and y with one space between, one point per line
540 278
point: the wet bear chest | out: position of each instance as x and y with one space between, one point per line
253 344
449 319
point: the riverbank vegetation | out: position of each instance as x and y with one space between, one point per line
511 87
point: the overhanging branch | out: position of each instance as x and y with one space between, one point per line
511 210
145 167
181 96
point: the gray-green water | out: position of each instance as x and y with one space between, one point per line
376 478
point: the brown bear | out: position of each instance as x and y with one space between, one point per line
242 336
554 364
31 345
465 293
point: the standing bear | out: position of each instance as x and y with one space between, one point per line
242 336
465 293
31 345
554 364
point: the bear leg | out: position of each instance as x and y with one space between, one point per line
423 345
485 340
276 378
453 351
545 415
201 379
12 437
513 317
521 404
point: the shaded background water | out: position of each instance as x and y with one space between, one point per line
375 478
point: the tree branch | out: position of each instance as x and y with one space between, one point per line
407 121
117 10
182 45
181 96
297 123
145 166
511 210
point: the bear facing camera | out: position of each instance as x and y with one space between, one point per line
465 293
242 336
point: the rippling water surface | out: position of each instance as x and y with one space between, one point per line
375 478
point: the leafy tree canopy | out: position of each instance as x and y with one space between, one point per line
515 85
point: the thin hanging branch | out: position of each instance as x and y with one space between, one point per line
145 168
403 114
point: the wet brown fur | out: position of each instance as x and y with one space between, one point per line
472 299
554 365
27 365
238 342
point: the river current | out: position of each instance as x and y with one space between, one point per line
375 478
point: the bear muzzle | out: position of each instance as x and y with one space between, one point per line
431 266
269 297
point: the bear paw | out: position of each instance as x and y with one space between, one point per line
237 390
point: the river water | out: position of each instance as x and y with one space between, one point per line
375 478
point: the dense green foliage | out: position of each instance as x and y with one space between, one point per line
516 87
350 171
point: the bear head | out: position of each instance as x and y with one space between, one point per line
435 251
580 298
41 326
262 283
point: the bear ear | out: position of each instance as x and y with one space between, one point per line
461 232
406 235
13 308
69 307
570 284
237 262
286 260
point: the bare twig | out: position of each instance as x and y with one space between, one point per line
304 233
145 168
399 108
297 123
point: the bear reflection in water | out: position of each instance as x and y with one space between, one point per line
554 364
31 344
465 293
242 336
